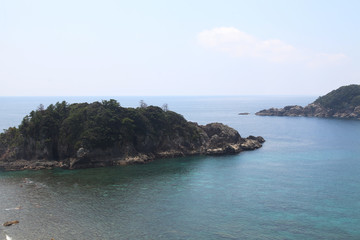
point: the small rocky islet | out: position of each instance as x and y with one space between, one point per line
84 135
343 102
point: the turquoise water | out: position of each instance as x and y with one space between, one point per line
303 183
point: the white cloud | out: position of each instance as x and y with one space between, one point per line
240 44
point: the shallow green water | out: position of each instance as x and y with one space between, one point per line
303 184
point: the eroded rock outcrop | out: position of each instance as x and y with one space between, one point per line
215 139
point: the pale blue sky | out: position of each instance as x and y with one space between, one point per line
109 48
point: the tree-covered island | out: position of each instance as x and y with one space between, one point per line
343 102
82 135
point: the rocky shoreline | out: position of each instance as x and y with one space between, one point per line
311 110
216 139
343 102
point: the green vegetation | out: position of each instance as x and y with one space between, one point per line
58 131
343 98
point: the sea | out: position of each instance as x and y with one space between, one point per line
303 184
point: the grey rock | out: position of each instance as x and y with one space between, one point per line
311 110
211 139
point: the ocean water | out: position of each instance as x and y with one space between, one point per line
303 184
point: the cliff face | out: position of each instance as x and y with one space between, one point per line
340 103
103 134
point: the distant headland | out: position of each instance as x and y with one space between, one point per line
83 135
343 102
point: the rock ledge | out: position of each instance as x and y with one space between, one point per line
216 139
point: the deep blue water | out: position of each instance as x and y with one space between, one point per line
303 184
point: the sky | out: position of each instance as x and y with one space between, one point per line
166 48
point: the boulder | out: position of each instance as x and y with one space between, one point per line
250 144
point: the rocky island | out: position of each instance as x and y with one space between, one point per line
84 135
343 102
